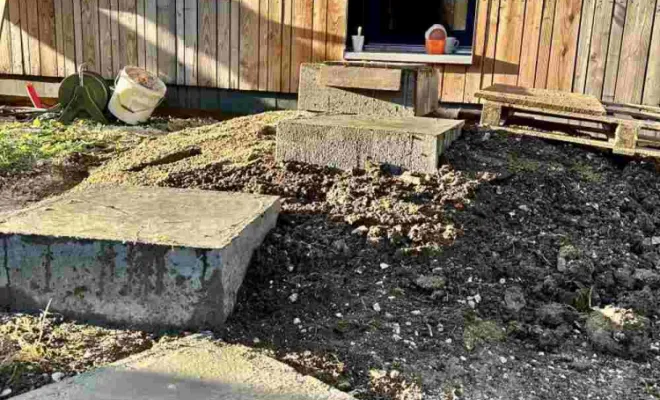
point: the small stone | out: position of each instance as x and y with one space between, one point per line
416 312
430 282
523 208
338 315
655 240
256 340
360 230
376 307
394 374
514 298
472 304
293 298
57 376
448 341
5 392
389 316
503 360
296 321
502 281
384 266
477 298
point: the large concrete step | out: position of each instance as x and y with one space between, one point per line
348 141
149 257
191 369
379 89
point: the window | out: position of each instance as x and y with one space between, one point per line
394 29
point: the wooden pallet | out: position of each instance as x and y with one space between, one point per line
621 134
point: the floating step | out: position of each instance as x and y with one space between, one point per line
348 141
151 257
382 89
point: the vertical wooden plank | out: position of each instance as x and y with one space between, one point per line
453 84
319 32
287 37
151 33
33 34
224 43
614 49
16 39
531 39
263 45
47 42
275 11
584 45
25 37
473 75
249 45
491 42
652 81
564 45
5 39
634 55
180 42
127 32
545 44
207 54
105 39
509 41
190 13
141 35
115 17
440 71
301 47
90 31
69 37
598 49
59 39
336 31
78 33
234 51
167 41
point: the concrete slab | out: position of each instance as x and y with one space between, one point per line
152 257
348 141
416 93
192 371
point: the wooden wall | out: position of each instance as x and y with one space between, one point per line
233 44
608 48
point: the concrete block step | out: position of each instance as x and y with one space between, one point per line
148 257
381 89
348 141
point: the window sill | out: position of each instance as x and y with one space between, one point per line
457 59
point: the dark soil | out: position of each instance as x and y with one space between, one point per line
455 283
475 283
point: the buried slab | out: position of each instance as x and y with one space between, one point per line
195 370
149 257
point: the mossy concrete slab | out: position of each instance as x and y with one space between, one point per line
193 370
348 141
136 255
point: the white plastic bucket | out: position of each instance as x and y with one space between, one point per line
133 102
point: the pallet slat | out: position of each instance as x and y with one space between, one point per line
509 42
584 45
614 49
652 81
598 47
531 39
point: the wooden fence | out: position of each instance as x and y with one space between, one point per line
234 44
608 48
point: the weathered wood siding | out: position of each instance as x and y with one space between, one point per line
608 48
233 44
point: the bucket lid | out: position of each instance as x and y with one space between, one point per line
436 32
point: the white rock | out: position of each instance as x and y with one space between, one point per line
293 298
502 281
503 360
256 340
57 376
376 307
472 304
384 266
5 392
416 312
448 341
523 208
338 315
655 240
394 374
296 321
477 298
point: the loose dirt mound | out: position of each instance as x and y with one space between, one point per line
236 141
